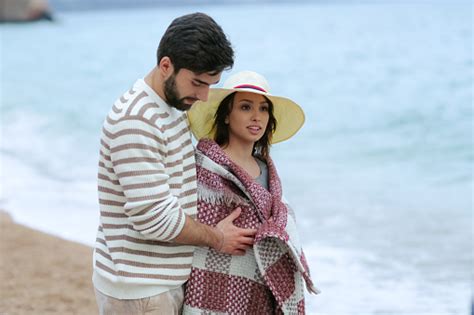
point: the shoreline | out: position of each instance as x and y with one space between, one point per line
43 274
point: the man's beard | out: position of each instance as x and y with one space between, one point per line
172 96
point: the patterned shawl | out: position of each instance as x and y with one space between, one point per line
268 279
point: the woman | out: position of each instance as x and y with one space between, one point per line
236 127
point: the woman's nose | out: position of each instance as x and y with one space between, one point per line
256 115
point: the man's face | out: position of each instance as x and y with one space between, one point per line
186 87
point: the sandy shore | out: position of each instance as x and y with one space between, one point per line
42 274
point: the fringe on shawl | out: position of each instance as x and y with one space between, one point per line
209 195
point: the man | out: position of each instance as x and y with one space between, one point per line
147 178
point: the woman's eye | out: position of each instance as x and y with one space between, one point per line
245 106
264 108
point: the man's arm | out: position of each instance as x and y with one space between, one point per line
136 155
225 237
137 149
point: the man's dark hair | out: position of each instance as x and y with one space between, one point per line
221 136
197 43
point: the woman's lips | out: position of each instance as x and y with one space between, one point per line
254 129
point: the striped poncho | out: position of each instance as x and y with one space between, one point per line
269 278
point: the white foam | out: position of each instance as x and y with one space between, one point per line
68 209
352 284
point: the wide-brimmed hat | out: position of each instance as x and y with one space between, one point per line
288 114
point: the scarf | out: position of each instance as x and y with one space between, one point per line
269 278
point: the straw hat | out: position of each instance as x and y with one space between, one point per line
288 114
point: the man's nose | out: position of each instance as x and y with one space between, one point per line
203 93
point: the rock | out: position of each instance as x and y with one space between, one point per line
24 10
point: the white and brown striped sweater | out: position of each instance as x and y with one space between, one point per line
146 185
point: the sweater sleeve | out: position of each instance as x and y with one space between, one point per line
137 154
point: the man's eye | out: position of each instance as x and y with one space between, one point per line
195 83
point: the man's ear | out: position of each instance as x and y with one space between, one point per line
166 67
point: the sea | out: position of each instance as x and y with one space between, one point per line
380 176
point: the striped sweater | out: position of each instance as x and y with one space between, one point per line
146 185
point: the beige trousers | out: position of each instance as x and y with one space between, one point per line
170 302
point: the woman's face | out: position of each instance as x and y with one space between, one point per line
248 117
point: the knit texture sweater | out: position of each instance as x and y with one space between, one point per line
270 277
146 185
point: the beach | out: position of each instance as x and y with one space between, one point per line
43 274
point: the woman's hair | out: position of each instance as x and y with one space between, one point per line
197 43
262 146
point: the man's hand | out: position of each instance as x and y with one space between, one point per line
234 240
